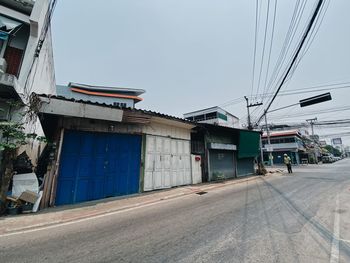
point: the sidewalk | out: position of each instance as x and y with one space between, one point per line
70 213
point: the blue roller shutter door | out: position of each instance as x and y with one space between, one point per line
98 165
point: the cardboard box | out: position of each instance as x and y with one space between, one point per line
29 196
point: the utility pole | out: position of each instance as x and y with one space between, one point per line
268 139
250 127
312 121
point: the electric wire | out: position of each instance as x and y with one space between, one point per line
255 44
284 46
300 45
271 44
264 44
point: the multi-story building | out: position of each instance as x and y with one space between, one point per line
214 115
26 59
285 141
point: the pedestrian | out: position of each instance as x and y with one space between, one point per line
288 162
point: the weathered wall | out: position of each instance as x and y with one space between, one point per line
42 77
103 126
38 77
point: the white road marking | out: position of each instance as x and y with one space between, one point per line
335 242
165 200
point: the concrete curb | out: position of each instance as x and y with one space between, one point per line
93 213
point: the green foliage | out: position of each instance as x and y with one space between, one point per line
12 132
13 135
332 150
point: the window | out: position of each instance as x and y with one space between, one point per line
199 117
210 116
120 104
289 140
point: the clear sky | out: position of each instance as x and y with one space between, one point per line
193 54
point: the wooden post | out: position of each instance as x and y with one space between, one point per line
56 170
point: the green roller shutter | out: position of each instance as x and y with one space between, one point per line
248 144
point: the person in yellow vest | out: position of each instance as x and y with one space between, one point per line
288 162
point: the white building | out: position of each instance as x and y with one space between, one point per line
214 115
26 58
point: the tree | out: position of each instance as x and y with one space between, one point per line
333 150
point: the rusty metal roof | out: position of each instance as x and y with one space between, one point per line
130 112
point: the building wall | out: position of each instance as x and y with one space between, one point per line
42 76
175 136
153 128
38 77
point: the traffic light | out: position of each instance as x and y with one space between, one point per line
316 99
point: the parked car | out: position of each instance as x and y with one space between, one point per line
327 159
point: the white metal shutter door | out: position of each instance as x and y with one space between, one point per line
180 167
157 173
174 163
158 163
187 163
166 163
149 163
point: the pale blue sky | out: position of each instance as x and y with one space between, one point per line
192 54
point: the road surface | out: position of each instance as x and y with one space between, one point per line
299 218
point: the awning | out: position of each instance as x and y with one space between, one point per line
7 25
248 144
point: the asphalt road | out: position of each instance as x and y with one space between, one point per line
299 218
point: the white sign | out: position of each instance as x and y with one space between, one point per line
336 141
222 146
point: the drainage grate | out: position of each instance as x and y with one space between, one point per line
201 193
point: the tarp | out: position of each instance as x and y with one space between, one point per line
248 144
23 182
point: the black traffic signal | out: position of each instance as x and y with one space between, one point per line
316 99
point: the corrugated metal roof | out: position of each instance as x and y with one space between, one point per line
130 110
